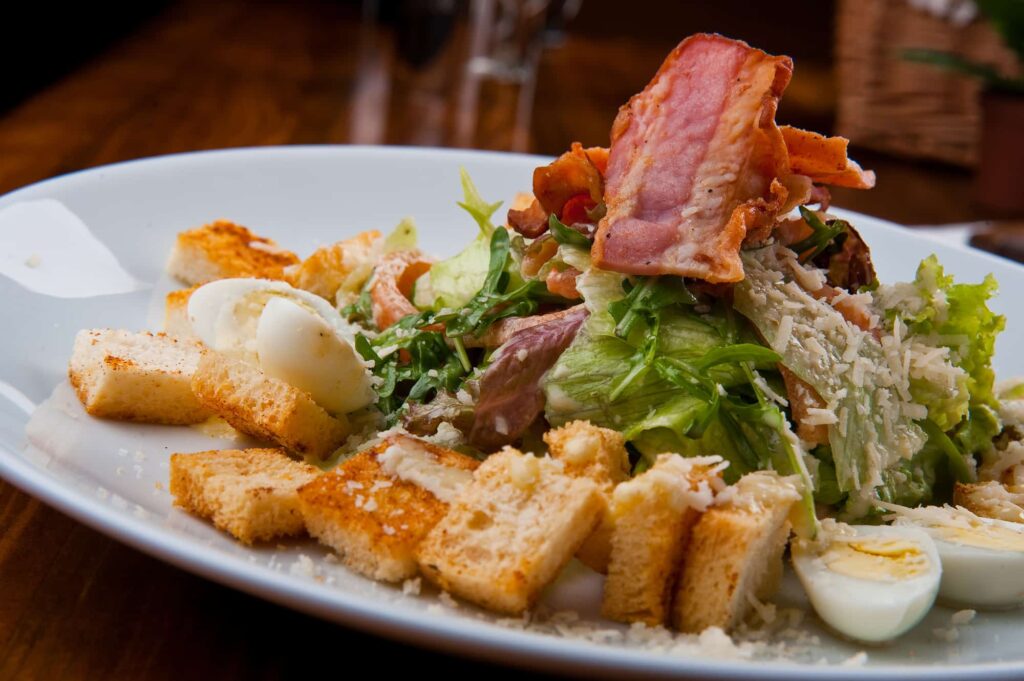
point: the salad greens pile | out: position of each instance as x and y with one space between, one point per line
424 355
681 366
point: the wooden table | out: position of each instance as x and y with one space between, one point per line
75 604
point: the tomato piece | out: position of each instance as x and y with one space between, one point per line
575 209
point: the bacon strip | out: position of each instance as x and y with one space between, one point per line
824 159
510 394
696 162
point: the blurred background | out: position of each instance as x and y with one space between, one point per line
524 75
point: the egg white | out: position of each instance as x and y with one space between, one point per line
973 576
865 609
290 334
298 347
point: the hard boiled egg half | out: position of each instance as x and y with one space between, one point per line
290 334
870 583
982 558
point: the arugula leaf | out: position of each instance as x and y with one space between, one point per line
646 298
741 352
567 235
493 302
823 235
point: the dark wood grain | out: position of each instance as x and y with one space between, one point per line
77 605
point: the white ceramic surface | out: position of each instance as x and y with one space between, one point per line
113 476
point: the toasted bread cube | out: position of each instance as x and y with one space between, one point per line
735 553
376 507
143 377
599 454
176 322
511 531
991 500
250 493
223 249
653 515
345 265
266 407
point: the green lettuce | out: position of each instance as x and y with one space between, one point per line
863 442
453 282
957 316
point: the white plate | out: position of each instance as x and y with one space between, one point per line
112 476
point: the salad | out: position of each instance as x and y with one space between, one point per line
680 307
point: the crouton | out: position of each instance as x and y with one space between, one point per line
345 265
653 515
735 553
511 531
375 508
250 493
143 377
599 454
176 322
266 407
991 500
223 249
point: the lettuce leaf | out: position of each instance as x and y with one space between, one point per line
946 314
872 431
653 411
404 237
453 282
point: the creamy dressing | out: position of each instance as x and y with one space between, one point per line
47 249
408 461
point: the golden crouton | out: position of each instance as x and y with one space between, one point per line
511 531
344 265
223 249
130 376
251 493
991 500
374 509
266 407
653 515
735 553
599 454
176 321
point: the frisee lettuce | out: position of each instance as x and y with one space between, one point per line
453 282
957 316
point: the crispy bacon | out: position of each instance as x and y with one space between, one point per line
696 163
528 217
510 394
802 397
851 267
848 269
577 171
824 159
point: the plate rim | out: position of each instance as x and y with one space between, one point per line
454 634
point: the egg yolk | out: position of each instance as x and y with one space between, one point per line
985 537
878 560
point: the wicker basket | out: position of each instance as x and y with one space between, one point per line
910 109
